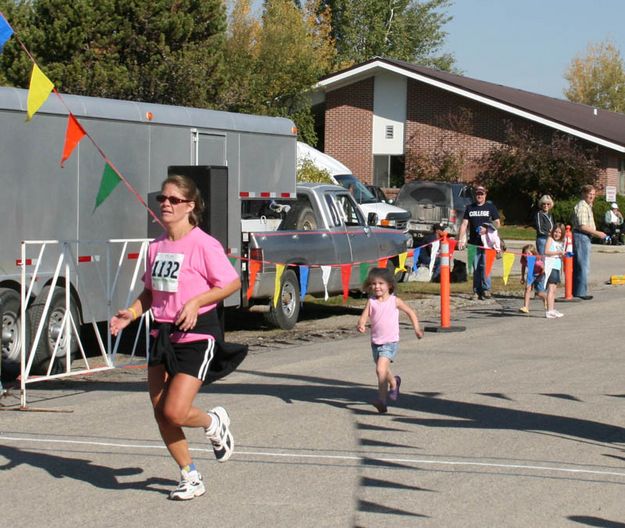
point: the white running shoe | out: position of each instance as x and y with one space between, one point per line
222 440
558 314
550 314
189 487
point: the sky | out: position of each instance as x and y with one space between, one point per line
528 44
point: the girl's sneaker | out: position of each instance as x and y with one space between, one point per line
550 314
524 310
189 487
380 406
394 393
558 314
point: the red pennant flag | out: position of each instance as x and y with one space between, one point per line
490 255
254 269
452 247
73 135
346 274
382 263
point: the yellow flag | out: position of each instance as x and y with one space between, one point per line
38 92
507 261
276 289
402 262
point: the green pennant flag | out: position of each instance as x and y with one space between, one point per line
109 181
471 249
364 271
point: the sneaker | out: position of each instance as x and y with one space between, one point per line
476 297
394 393
380 406
550 314
524 310
486 294
222 441
557 314
189 487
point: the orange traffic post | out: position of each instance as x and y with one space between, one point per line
445 290
568 264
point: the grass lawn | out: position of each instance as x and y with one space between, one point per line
517 232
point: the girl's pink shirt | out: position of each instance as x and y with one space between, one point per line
384 317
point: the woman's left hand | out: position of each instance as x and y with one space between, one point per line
187 318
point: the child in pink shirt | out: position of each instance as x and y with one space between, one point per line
382 309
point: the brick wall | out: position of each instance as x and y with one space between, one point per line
349 127
435 119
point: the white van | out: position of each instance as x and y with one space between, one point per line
388 215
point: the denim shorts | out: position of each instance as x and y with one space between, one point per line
539 283
387 350
554 277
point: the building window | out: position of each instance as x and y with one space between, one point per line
388 171
389 131
621 176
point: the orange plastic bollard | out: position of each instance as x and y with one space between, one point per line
445 288
568 264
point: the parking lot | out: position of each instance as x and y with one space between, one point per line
515 421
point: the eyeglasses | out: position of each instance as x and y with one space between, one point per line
480 193
173 200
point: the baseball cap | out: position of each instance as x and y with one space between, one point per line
439 227
614 205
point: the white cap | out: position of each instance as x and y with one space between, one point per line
614 205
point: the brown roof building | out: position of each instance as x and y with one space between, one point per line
373 115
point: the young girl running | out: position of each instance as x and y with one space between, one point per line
383 309
554 250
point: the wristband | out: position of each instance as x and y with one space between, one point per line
133 312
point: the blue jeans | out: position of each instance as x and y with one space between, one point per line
581 263
481 282
541 242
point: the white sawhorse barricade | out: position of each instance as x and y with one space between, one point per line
117 266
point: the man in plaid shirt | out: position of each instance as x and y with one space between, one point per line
584 229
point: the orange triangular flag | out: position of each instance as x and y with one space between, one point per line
382 263
254 269
489 255
74 133
346 275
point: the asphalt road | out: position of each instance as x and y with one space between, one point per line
514 422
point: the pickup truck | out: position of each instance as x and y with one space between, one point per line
323 226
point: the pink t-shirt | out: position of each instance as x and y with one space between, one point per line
384 317
182 269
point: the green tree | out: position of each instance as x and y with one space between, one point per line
166 51
274 61
518 172
597 78
408 30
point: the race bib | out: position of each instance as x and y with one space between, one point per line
166 270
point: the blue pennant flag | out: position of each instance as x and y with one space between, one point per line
415 258
303 281
531 261
5 31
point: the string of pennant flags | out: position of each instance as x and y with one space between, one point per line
39 89
508 258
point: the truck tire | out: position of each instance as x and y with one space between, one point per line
306 221
51 329
285 314
11 334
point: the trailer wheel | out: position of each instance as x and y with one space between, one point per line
307 221
51 329
11 334
285 314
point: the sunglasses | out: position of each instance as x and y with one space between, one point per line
480 193
173 200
